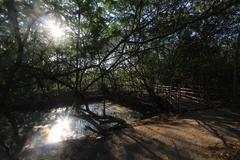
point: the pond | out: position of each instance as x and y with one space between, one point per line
58 124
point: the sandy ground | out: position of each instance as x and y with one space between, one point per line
210 134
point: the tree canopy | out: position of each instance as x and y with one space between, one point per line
49 46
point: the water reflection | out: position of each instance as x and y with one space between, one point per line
58 124
59 131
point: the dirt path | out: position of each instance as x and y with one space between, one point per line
202 135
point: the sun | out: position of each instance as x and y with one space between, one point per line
54 28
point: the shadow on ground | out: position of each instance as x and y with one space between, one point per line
200 135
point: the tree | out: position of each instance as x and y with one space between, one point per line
140 44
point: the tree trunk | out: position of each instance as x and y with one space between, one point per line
235 71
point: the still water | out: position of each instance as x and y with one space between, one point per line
59 125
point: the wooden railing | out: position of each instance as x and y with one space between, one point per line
188 96
185 96
197 95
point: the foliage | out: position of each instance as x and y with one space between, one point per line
123 44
